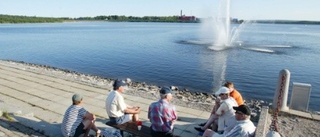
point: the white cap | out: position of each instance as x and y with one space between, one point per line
222 90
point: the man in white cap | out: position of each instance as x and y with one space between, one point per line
233 93
243 128
224 114
118 111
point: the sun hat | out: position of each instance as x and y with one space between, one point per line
77 97
118 83
244 109
222 90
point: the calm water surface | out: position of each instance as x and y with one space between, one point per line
168 54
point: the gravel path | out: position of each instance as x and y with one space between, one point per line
294 126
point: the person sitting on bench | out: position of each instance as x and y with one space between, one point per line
77 120
118 111
162 115
243 128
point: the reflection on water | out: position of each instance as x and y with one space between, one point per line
172 54
219 69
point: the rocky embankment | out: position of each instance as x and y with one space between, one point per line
184 97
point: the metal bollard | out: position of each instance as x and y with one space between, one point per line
281 94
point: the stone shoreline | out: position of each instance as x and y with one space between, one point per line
195 100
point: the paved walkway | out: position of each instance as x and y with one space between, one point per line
39 101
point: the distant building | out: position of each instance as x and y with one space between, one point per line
234 20
184 18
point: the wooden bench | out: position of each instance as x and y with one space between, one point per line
131 127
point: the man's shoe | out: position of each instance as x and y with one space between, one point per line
202 124
199 129
98 133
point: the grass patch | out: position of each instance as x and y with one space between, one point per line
7 116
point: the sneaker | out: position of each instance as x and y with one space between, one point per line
199 129
202 124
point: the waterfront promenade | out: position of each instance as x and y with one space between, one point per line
37 97
38 102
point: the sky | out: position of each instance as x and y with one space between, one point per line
241 9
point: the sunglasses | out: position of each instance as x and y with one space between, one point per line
222 94
238 112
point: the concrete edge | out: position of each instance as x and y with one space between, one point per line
262 123
299 113
42 127
316 116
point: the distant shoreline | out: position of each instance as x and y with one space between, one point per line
288 22
17 19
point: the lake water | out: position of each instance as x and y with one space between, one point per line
172 54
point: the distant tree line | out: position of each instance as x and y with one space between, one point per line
111 18
28 19
122 18
288 22
117 18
